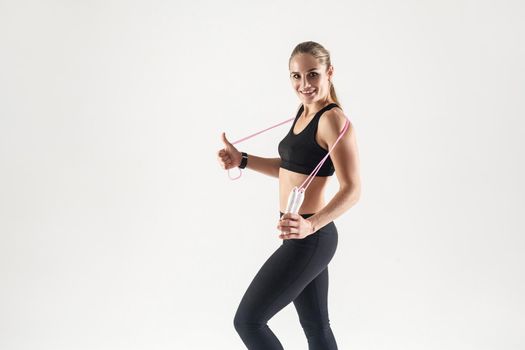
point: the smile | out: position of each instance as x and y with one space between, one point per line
308 93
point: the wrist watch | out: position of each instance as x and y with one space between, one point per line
244 160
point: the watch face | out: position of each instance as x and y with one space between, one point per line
244 160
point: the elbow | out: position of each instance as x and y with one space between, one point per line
357 193
277 167
355 196
353 193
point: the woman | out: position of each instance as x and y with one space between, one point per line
298 270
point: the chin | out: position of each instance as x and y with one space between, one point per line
310 99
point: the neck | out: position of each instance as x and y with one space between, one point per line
314 107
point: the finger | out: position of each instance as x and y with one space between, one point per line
290 236
291 223
283 224
288 229
289 216
225 140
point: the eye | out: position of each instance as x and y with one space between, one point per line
312 75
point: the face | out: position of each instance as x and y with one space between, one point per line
309 78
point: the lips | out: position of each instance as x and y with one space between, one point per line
308 93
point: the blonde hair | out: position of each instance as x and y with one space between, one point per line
321 54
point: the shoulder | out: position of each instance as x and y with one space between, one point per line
332 122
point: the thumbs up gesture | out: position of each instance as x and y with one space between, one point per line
228 157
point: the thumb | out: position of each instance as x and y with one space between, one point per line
225 141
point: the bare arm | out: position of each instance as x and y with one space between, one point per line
345 157
230 157
266 166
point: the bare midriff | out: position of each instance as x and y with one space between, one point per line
313 197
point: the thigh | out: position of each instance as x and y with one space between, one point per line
312 303
280 280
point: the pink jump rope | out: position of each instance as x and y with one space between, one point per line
296 197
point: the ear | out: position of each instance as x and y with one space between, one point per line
330 71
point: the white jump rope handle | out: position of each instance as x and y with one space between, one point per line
295 199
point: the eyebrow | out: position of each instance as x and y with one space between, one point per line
309 70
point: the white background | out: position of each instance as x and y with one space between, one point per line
119 229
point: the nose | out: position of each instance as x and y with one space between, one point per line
304 83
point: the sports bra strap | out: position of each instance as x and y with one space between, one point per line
310 177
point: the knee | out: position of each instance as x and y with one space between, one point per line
316 329
245 323
238 322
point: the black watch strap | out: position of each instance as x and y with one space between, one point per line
244 160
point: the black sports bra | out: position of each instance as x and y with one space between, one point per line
301 153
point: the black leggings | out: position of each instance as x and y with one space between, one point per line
297 271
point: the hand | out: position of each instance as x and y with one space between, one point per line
229 157
294 226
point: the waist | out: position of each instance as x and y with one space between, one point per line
303 215
327 229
